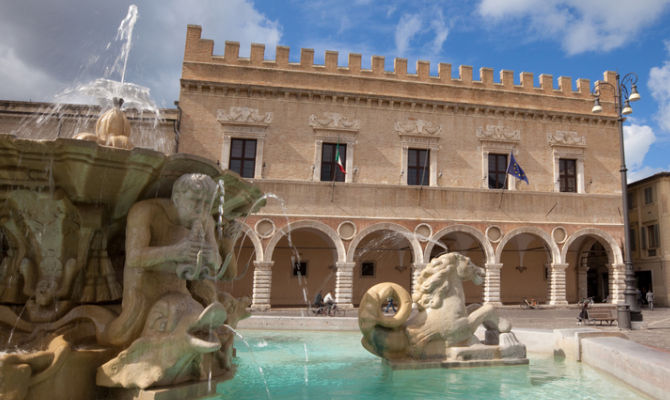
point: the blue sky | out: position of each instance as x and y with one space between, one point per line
46 47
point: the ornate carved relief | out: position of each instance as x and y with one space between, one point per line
333 121
244 115
566 138
417 127
499 133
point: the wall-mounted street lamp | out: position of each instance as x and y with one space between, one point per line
622 99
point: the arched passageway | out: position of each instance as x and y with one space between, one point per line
302 267
382 255
526 264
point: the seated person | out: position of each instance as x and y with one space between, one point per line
318 303
330 303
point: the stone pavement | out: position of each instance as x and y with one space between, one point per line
655 332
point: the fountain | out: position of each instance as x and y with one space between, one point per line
437 330
109 262
69 208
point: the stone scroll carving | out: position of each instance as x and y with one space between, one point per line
417 127
566 138
244 115
498 133
333 121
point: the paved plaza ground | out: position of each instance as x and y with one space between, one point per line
655 332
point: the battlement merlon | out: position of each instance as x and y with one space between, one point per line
198 50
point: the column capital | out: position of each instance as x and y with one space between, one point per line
559 266
493 266
345 265
264 265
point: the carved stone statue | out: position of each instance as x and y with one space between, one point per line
111 129
438 325
61 234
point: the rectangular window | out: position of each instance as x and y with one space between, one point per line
418 167
497 171
368 269
643 238
648 195
631 200
567 175
243 157
330 171
631 234
652 234
300 268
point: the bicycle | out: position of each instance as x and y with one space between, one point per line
528 304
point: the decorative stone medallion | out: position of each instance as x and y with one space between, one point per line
559 234
265 228
346 230
423 232
494 233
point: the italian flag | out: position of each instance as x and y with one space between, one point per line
338 159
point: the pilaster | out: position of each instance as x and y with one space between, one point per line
344 285
557 294
618 284
492 284
262 285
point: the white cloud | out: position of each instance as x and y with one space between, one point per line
412 26
408 26
441 32
594 25
637 140
659 85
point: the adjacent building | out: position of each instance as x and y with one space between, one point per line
649 220
371 171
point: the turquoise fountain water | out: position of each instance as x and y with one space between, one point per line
333 365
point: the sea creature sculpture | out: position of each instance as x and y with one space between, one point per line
436 322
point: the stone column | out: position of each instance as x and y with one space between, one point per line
262 285
344 285
557 295
617 282
416 271
492 284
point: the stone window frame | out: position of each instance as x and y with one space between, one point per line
331 127
566 176
333 163
243 157
506 180
419 182
244 123
497 139
568 145
421 135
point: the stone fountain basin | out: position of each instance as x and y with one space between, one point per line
92 174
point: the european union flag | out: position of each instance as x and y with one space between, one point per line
515 170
